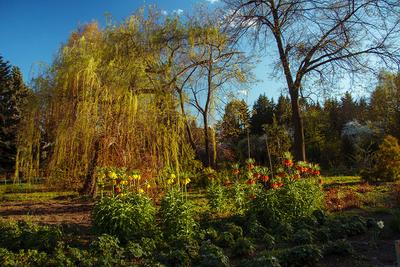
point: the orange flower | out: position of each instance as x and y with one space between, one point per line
250 182
235 171
274 185
256 175
281 174
250 167
296 176
288 162
265 178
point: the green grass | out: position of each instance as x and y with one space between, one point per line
30 192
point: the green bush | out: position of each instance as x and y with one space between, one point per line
302 237
287 204
268 240
243 247
69 256
226 240
386 162
217 199
177 215
126 217
340 247
212 256
345 226
235 230
23 235
32 258
263 261
305 255
108 251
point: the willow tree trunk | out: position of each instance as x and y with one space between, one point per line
90 187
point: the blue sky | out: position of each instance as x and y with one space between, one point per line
34 30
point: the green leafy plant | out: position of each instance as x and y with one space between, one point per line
303 237
212 256
243 247
296 200
305 255
127 217
216 196
340 247
177 215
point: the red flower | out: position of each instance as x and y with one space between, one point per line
256 175
288 162
281 174
274 185
264 178
250 167
235 171
296 176
117 190
250 182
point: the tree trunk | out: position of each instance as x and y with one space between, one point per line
90 187
206 140
188 131
299 143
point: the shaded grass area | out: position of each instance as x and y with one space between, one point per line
31 192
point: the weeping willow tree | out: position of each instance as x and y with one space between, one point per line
100 105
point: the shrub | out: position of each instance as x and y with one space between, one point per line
263 261
177 215
243 247
216 197
226 240
212 256
269 241
22 235
386 165
235 230
32 258
345 226
340 247
302 237
126 217
68 256
10 235
305 255
296 200
108 251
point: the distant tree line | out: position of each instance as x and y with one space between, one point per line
340 134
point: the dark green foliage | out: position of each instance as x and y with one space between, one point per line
243 247
108 251
394 223
303 237
306 255
134 250
287 204
21 235
345 226
128 217
212 256
13 97
268 240
226 240
235 230
216 196
177 216
386 165
340 247
263 261
32 258
263 113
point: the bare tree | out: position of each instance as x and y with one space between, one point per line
320 40
221 66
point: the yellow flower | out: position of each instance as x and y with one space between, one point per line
170 181
172 176
186 181
148 186
141 191
113 175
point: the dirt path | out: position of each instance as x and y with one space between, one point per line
73 212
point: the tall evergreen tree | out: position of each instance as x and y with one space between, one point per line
263 113
13 93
